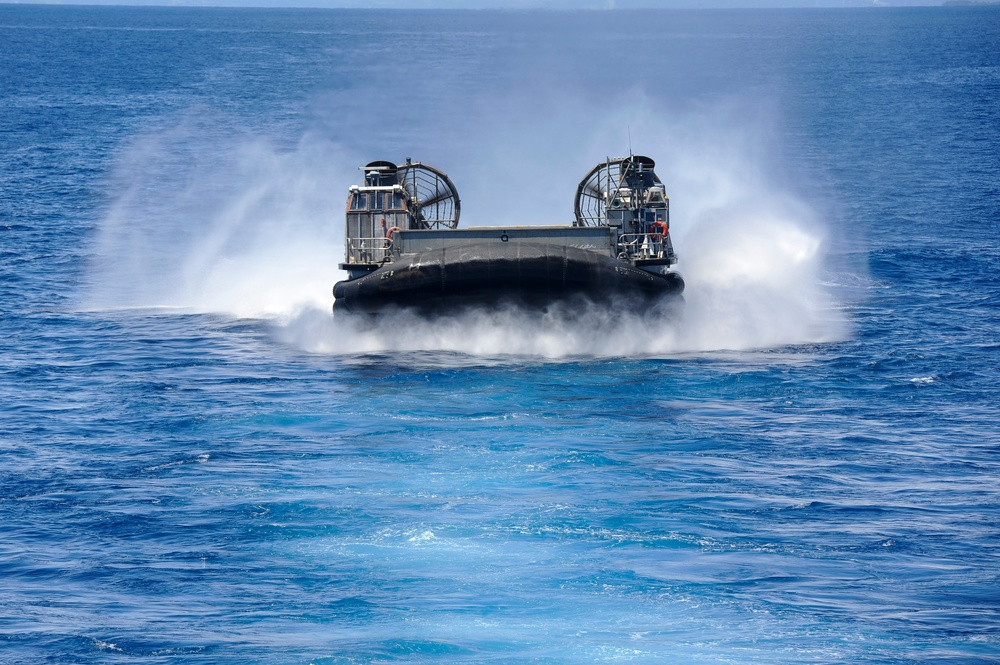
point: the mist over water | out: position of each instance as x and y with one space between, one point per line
208 215
205 220
208 220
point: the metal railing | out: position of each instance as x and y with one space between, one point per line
368 250
644 246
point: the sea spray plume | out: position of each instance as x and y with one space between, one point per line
204 220
752 254
208 220
753 280
572 328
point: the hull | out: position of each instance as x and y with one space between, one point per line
488 273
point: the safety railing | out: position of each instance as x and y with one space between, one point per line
645 246
368 250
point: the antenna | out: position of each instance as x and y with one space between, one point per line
629 128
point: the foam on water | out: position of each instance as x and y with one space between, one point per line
208 222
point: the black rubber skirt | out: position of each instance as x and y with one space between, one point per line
527 274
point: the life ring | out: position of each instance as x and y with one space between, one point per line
388 234
661 225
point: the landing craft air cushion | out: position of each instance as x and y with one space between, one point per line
403 247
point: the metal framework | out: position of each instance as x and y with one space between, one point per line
599 186
618 182
433 199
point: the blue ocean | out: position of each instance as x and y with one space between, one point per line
199 463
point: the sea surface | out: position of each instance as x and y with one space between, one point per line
200 464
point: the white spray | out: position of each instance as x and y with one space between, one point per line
245 229
206 221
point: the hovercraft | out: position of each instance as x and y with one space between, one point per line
403 247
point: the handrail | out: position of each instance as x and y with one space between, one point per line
368 250
644 246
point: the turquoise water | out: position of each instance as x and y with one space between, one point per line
200 464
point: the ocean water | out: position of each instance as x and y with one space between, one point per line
198 463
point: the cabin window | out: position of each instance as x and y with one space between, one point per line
376 202
397 202
359 202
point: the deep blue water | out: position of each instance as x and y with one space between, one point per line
198 464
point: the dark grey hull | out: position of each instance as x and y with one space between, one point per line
489 273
